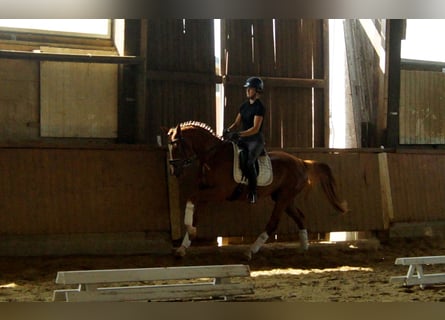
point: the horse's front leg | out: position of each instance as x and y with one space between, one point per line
198 200
190 229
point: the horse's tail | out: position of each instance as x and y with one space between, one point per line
319 172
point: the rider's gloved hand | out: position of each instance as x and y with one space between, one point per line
225 133
233 136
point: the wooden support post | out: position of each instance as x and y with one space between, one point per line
385 189
174 205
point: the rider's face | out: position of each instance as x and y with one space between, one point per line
250 93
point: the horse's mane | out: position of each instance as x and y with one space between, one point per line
198 124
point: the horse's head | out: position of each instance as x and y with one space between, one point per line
189 141
181 153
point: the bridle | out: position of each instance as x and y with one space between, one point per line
183 162
180 163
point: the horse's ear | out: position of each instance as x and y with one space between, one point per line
178 129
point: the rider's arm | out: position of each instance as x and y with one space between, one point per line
257 121
236 122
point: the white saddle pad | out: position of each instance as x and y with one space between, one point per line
265 176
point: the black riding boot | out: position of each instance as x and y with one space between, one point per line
252 178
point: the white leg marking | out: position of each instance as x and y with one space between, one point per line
186 241
188 217
262 238
304 242
181 251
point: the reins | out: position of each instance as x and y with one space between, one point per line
187 161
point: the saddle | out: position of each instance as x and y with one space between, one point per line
263 165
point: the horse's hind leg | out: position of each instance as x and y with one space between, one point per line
298 216
271 227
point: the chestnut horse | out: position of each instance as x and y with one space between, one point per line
195 141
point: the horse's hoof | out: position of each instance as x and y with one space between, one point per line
180 252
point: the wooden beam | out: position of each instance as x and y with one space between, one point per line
141 86
189 77
192 77
395 35
326 81
39 56
279 82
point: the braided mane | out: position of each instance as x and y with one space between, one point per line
199 125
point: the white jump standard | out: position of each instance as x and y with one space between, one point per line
416 274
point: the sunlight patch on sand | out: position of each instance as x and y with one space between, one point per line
8 285
297 272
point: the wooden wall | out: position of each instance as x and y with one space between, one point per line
417 185
84 190
180 72
381 188
66 190
289 56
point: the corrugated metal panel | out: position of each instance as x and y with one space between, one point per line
422 105
55 191
418 186
19 100
78 100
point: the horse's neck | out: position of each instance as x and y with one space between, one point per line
205 144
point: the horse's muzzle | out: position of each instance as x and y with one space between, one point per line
177 166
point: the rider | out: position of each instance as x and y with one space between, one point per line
251 139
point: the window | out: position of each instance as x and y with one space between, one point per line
424 40
77 99
97 28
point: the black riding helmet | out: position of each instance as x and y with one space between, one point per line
255 82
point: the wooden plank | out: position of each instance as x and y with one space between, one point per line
150 274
